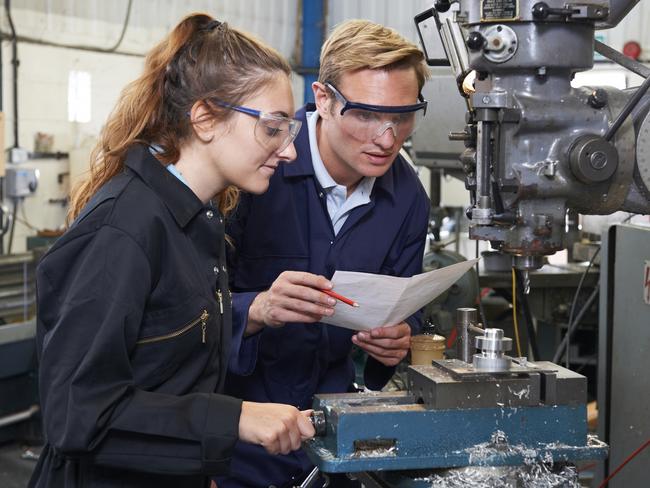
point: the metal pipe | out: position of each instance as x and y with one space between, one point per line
618 58
484 133
313 25
14 63
465 318
17 417
572 326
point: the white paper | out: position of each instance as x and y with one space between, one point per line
388 300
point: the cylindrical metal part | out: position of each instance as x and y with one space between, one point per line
465 317
492 345
317 419
528 262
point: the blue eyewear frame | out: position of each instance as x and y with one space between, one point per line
248 111
391 109
294 125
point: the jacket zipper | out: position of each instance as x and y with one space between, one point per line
203 320
220 298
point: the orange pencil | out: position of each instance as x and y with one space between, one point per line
340 297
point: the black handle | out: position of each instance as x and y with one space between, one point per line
317 419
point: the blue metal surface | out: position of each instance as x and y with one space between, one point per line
313 24
447 438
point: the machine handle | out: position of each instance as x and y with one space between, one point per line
317 419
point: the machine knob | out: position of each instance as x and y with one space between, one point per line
540 11
475 41
593 159
317 419
598 98
442 5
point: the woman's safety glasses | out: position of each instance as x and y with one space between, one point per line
274 132
367 122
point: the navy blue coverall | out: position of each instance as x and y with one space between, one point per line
289 228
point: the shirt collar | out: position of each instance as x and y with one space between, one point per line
181 202
320 172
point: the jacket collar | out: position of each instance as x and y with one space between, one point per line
303 166
181 202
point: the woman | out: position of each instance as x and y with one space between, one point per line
134 313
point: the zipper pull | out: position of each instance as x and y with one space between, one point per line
204 324
220 298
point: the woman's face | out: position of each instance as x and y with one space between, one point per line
248 149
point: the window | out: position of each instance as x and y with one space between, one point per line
79 96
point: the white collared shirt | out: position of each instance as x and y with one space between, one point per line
339 205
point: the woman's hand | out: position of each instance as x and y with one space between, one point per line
278 428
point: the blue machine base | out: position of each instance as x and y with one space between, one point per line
328 463
429 439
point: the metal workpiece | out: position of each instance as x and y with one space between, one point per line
492 345
466 319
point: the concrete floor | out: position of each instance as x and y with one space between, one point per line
15 470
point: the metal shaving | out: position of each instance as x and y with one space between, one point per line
379 452
537 475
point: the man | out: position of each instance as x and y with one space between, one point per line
348 202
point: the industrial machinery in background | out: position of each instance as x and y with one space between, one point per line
18 380
535 146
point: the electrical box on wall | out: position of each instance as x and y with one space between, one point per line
21 182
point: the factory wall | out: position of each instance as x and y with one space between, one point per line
44 71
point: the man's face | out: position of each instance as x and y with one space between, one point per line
353 146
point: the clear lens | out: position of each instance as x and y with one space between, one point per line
275 132
366 125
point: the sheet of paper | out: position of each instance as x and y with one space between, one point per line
388 300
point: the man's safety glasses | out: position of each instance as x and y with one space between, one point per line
366 122
274 132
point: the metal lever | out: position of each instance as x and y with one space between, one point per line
312 477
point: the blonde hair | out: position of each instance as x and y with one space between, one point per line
199 59
360 44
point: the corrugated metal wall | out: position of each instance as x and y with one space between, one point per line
396 14
98 22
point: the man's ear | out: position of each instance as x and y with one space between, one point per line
202 121
323 100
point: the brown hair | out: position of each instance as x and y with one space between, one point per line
361 44
200 59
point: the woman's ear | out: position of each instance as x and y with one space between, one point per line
322 99
203 121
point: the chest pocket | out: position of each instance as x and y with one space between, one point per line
171 337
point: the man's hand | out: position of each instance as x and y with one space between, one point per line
278 428
294 296
388 344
